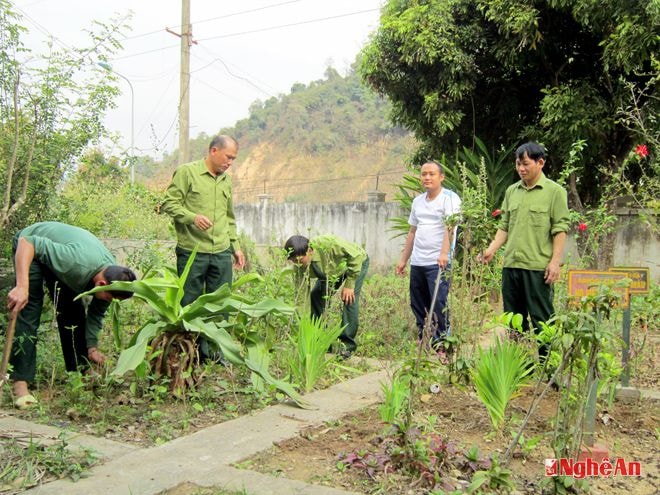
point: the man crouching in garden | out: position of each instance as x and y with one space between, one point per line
333 262
69 261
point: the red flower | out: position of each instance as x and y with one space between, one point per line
642 151
496 213
582 227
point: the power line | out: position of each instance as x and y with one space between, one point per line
296 183
218 59
215 89
281 26
167 87
320 179
215 18
205 48
146 52
270 28
43 30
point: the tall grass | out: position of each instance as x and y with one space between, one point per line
396 395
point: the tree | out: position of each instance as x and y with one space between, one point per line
99 197
51 108
558 71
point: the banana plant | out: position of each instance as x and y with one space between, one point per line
217 316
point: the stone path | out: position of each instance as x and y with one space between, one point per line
205 457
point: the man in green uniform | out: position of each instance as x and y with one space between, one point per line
534 225
199 200
333 262
68 260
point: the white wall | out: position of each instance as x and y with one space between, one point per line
365 223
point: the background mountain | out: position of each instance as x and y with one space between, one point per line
327 141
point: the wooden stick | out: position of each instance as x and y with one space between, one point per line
7 350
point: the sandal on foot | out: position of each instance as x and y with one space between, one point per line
25 402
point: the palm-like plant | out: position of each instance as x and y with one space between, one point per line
308 361
498 374
168 339
498 172
498 166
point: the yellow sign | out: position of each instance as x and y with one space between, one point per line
583 283
639 275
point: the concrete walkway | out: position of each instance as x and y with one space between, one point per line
204 457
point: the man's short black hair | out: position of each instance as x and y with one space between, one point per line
295 246
533 150
221 141
116 273
437 164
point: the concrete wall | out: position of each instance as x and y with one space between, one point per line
636 245
365 223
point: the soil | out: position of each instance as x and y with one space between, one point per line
629 431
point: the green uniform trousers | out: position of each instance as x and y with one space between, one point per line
525 292
351 312
70 317
208 272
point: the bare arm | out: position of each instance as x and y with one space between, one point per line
407 251
498 242
18 296
443 260
552 271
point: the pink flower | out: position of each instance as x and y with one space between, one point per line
496 213
582 227
642 151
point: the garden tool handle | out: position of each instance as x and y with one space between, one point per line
9 340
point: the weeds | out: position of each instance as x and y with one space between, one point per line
26 462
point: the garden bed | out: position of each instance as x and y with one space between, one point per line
316 455
100 407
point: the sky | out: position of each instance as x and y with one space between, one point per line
245 51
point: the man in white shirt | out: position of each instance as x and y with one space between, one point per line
429 246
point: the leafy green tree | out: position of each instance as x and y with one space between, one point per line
100 198
51 108
506 70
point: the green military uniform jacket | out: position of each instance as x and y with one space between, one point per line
531 218
195 191
335 258
74 255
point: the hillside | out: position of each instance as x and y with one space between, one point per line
324 142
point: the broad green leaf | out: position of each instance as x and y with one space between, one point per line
143 290
132 357
231 349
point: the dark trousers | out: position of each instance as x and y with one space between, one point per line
422 285
525 292
350 315
70 317
208 272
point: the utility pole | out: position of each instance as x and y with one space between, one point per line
184 92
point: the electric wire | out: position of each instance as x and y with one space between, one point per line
202 21
218 59
292 24
295 183
241 33
252 77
